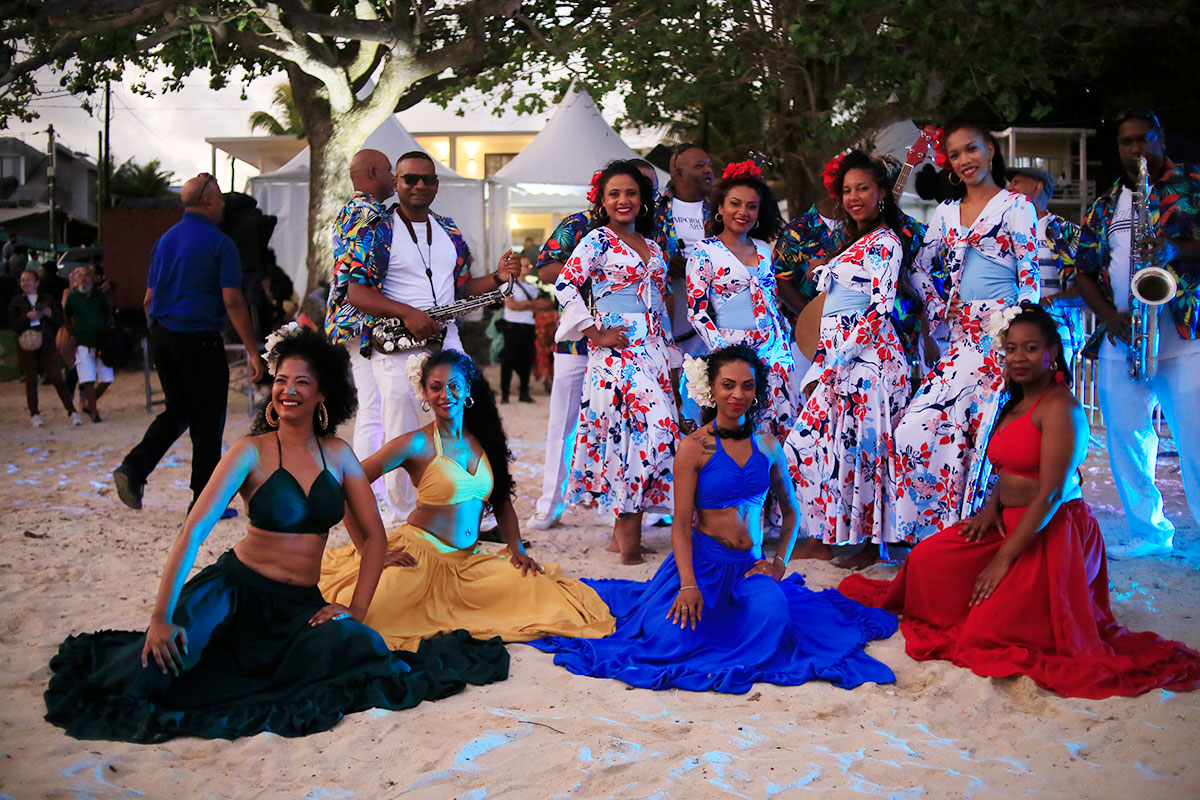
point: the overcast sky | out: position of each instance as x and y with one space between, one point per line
172 126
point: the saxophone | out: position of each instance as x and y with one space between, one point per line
391 335
1150 287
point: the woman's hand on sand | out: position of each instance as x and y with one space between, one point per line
160 643
688 607
525 563
332 613
983 523
988 580
772 569
399 557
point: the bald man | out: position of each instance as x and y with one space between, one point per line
195 279
361 235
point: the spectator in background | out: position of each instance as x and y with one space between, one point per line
529 250
195 279
88 317
519 334
10 246
35 316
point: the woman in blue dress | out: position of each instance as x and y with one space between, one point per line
718 615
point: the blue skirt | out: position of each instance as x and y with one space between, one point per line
752 629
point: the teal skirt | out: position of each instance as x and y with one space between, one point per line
253 664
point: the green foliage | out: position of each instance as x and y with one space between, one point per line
147 180
286 105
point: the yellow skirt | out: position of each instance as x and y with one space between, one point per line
471 589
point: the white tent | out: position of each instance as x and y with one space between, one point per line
284 193
553 172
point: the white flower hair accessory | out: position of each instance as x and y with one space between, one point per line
696 372
998 324
273 340
413 370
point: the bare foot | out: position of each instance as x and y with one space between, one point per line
813 548
613 547
860 560
636 558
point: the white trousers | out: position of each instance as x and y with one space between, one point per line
400 412
368 424
565 395
1128 406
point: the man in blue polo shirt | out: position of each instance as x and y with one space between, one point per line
195 279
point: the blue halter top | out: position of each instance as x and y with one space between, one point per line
280 504
723 484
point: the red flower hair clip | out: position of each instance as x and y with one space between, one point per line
829 174
742 168
593 195
939 150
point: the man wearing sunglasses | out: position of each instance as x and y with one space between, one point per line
1103 275
195 280
426 263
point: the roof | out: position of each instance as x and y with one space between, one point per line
574 144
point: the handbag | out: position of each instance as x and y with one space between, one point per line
64 342
30 340
116 348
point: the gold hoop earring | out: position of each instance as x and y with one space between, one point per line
268 411
717 217
954 175
322 416
425 405
470 401
645 211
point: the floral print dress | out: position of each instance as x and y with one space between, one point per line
840 451
627 433
941 473
715 276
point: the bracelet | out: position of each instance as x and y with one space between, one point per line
689 586
496 277
780 559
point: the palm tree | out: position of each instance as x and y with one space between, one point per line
286 105
147 180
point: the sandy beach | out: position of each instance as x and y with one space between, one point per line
74 559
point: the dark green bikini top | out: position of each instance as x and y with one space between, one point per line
281 505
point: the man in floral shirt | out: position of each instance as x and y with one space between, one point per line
1103 265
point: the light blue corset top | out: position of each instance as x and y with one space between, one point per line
840 300
737 312
985 279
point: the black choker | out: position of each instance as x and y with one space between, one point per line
743 431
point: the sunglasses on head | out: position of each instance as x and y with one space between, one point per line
208 178
1139 113
411 178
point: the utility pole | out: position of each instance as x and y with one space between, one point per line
105 162
50 162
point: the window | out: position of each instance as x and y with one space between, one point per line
12 167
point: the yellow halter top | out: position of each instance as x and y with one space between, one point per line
445 482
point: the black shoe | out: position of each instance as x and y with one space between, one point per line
128 489
525 398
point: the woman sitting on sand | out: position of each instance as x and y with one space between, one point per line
717 615
1021 588
249 644
437 579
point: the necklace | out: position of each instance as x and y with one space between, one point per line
428 246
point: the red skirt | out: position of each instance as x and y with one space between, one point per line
1049 618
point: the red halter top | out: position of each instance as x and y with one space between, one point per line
1017 447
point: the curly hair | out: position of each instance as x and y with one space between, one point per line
644 222
480 419
1034 314
878 170
998 167
728 355
331 364
770 221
